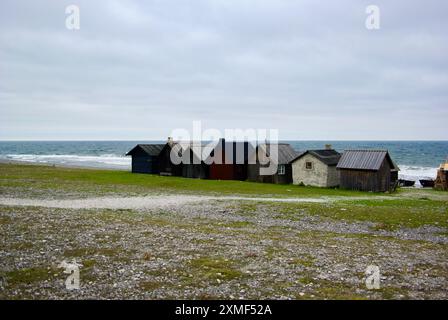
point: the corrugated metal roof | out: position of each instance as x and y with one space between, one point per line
329 157
364 159
285 152
150 149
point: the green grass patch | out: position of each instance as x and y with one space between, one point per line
326 289
90 181
305 261
215 268
28 276
385 214
83 252
149 286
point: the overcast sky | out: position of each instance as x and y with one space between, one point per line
138 69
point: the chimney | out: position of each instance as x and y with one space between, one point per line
328 147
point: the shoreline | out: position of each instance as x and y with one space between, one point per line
60 165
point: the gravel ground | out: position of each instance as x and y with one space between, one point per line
202 247
156 201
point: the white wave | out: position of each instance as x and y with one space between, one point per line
104 161
416 173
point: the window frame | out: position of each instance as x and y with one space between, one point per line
310 167
281 170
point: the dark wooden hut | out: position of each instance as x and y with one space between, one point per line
367 170
196 168
229 160
145 158
167 168
284 171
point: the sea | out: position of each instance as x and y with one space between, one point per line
416 159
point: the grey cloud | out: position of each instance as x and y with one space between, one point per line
138 69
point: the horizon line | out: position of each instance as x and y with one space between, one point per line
304 140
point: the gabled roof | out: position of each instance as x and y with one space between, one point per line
329 157
196 148
150 149
365 160
285 152
231 148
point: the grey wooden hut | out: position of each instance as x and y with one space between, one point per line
367 170
145 158
284 172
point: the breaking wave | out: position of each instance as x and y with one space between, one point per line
111 161
415 172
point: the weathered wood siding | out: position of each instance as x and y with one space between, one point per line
237 168
165 165
222 171
254 175
144 163
193 169
367 180
197 171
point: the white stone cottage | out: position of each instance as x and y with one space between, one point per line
316 168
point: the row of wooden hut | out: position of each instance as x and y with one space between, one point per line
365 170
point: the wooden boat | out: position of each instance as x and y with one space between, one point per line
427 183
406 183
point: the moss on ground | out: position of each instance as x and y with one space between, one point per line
215 268
385 214
28 275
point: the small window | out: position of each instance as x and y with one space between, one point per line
281 169
309 165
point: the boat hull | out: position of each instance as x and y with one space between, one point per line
406 183
426 183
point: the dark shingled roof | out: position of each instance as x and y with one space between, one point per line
329 157
150 149
365 160
285 152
